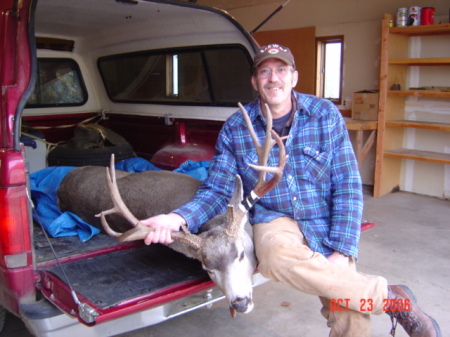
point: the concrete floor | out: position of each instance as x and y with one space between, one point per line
408 245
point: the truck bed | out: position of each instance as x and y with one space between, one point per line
106 273
128 274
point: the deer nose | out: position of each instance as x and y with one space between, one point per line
242 304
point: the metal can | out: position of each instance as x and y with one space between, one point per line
427 16
414 16
402 17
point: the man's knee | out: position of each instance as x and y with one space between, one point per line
277 244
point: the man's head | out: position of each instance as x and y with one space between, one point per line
274 76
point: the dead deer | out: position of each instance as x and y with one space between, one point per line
224 244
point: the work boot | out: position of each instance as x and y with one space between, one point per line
404 310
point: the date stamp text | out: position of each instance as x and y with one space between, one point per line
367 305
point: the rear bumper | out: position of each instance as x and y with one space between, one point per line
44 320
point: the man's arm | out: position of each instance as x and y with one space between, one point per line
347 198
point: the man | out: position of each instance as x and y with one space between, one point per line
307 229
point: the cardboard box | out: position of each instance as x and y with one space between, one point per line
365 105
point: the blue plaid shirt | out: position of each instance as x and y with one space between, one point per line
320 187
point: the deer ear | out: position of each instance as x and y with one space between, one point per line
238 193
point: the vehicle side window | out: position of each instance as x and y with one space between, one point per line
207 75
58 83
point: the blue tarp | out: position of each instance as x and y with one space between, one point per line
45 183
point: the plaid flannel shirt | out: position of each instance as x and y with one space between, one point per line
320 188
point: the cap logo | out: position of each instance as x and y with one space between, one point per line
273 49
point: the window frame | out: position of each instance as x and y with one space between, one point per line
320 71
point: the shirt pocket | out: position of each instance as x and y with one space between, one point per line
316 164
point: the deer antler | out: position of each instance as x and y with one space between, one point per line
262 186
139 231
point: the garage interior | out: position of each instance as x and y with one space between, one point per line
409 243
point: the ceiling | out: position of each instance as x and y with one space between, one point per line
234 4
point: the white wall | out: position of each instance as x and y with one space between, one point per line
360 23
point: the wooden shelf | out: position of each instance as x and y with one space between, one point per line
419 125
419 93
396 67
426 61
429 156
442 29
355 125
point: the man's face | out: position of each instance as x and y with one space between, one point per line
274 80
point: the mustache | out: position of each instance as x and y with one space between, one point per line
272 85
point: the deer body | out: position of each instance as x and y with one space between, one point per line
225 244
83 192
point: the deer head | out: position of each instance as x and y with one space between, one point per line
224 247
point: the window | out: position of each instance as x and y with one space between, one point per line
58 83
329 67
209 75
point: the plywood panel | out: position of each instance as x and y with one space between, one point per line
301 41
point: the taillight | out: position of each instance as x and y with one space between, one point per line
15 240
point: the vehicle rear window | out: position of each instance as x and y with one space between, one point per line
58 83
209 75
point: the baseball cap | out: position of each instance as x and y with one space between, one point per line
274 51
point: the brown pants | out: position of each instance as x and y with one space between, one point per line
284 256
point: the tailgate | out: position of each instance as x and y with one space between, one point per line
122 282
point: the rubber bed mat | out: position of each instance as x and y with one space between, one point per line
110 279
68 245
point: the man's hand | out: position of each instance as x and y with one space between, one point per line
338 258
164 225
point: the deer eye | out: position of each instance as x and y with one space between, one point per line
242 256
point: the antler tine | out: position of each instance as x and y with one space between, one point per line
263 186
139 231
263 155
119 206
